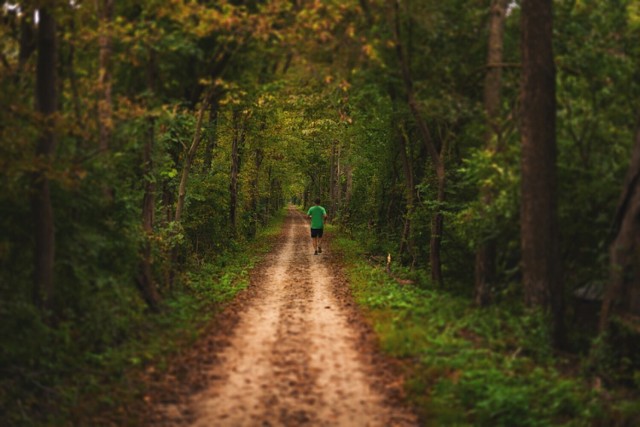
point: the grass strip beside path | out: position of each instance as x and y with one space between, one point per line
476 367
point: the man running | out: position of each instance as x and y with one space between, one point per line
317 214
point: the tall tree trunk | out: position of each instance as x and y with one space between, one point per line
233 179
145 281
348 190
269 207
256 216
255 191
486 252
73 78
538 216
168 199
27 42
437 228
238 137
410 191
211 141
622 296
332 178
278 189
184 177
195 143
435 152
46 105
105 15
338 189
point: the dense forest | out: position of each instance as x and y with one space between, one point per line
485 149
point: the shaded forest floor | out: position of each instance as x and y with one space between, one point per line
291 350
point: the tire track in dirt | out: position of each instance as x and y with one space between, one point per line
292 358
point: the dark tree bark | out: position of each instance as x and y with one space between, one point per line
237 142
73 78
27 41
46 105
182 189
622 296
333 177
486 252
211 141
255 191
538 215
437 228
233 178
406 244
366 8
145 281
269 207
105 16
435 152
348 188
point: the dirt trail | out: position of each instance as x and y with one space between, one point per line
295 356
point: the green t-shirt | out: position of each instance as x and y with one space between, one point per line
317 214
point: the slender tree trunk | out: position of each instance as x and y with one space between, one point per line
486 252
73 78
27 43
538 216
184 177
238 137
278 190
255 192
431 148
332 178
46 105
437 228
348 190
195 143
407 241
338 189
212 140
105 16
168 199
484 270
622 296
145 281
233 180
257 216
269 207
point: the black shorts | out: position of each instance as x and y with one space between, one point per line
316 232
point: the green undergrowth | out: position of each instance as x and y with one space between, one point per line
69 386
475 367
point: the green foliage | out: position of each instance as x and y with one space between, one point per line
597 84
470 366
88 360
306 93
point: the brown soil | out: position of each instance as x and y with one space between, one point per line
291 350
